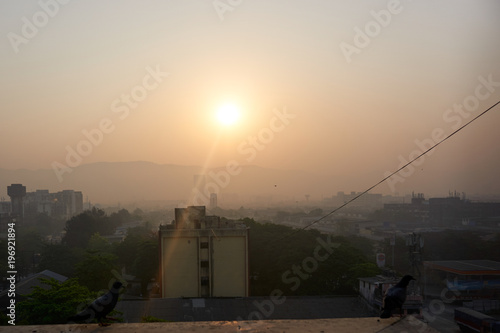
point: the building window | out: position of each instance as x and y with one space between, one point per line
204 280
203 245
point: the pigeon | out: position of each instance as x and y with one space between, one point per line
395 297
100 307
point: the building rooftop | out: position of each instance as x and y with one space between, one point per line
25 286
359 325
379 279
466 267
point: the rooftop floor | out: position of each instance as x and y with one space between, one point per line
359 325
244 308
466 267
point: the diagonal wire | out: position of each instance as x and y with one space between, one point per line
392 174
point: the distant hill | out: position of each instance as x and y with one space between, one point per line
124 182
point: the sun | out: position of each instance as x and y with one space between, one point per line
228 114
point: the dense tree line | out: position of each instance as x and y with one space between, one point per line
81 227
85 254
53 303
88 259
303 262
446 245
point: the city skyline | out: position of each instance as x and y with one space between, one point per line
176 186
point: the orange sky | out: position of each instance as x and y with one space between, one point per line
150 76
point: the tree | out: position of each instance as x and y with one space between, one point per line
29 244
146 263
119 218
138 212
53 305
138 254
127 250
81 227
3 260
283 258
95 271
99 244
43 224
60 258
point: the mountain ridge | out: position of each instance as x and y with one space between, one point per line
131 181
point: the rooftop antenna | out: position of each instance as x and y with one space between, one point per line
415 243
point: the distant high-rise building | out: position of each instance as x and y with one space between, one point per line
62 204
201 256
444 212
5 208
17 192
5 211
213 200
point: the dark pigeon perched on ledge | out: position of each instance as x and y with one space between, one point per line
395 297
100 307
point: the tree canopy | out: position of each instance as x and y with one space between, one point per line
303 262
53 304
95 271
81 227
138 253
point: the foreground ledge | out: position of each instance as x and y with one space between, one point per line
359 325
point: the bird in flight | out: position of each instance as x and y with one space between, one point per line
395 297
100 307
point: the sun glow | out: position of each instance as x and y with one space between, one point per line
228 114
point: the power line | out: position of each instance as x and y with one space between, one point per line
393 173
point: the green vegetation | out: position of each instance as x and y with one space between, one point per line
300 263
53 304
60 258
85 254
80 228
138 253
86 257
95 271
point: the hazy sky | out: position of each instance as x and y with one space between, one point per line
341 88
